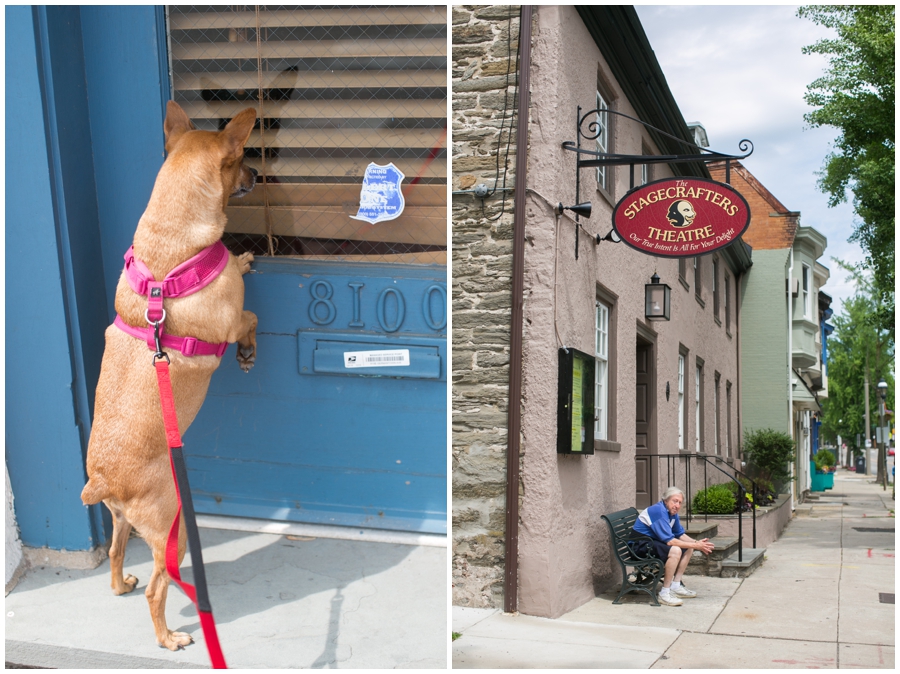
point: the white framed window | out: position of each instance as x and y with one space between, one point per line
602 140
601 372
698 375
681 401
725 303
715 287
728 419
696 262
716 415
807 283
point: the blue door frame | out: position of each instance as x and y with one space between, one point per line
86 90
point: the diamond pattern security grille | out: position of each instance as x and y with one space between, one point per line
335 89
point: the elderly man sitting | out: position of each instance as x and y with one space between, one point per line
670 543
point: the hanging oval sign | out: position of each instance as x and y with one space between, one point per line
681 217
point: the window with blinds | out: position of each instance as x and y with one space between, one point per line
335 88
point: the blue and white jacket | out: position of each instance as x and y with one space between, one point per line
657 523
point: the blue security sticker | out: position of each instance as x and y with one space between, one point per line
380 198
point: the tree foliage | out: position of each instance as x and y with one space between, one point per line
858 348
856 95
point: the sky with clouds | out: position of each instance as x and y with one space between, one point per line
740 72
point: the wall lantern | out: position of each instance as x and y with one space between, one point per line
584 210
657 300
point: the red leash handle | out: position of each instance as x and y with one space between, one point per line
198 595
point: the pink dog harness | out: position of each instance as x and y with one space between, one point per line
185 279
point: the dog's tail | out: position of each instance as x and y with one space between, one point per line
94 491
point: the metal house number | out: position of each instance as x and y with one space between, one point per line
390 306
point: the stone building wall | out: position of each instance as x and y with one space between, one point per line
484 78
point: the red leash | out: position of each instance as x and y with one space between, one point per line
198 595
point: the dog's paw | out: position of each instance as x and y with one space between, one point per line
244 261
176 641
246 357
127 586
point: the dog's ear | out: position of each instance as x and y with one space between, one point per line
177 123
237 133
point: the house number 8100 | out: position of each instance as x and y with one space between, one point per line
390 306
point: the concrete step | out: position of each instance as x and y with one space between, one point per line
699 529
751 559
711 565
724 547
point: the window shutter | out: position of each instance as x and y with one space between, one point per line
335 89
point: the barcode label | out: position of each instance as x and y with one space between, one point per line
397 357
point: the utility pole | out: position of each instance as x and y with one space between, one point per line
882 448
867 444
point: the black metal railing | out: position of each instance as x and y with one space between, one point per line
672 461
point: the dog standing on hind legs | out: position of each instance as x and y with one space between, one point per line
177 239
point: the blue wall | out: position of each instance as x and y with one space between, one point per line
47 272
85 92
127 81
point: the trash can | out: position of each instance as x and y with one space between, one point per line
860 464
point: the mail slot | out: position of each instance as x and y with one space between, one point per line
357 355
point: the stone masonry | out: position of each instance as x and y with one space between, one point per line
484 79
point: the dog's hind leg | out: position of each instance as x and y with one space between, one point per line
157 590
246 341
120 583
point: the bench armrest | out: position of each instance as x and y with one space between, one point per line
637 539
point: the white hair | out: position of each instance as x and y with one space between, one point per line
670 492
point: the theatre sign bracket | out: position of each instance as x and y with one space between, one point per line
593 124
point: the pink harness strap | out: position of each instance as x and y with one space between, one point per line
185 279
189 346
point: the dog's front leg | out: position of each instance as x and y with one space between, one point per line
244 261
246 351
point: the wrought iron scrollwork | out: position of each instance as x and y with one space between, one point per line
595 158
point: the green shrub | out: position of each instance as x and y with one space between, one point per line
824 459
716 500
770 453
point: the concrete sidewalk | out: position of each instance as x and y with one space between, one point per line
814 603
280 601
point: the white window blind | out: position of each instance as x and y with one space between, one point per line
335 88
601 373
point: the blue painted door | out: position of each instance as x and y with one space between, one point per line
343 418
304 437
309 435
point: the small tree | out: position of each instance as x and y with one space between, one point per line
770 453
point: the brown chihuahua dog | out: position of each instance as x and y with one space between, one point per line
127 460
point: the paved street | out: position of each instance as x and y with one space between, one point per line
814 603
280 601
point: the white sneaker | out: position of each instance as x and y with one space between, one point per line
666 597
683 592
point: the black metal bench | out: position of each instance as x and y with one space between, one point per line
648 570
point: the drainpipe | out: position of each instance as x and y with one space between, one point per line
514 419
795 485
739 406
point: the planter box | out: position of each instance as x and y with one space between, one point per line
819 481
770 522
